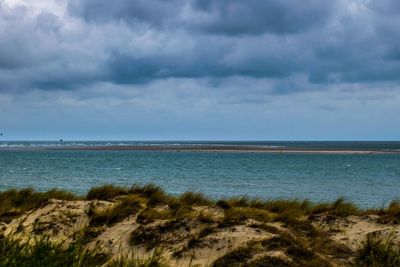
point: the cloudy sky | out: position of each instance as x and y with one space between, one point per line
200 69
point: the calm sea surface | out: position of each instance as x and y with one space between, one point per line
370 180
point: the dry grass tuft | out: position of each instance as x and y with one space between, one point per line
194 199
340 208
127 206
155 195
378 253
14 202
234 216
106 192
391 214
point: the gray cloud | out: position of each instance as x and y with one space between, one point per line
236 17
230 17
153 12
139 42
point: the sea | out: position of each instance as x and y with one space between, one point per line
369 180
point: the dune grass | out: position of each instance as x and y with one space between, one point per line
106 192
42 252
234 216
194 198
14 202
127 206
151 203
17 201
154 194
378 252
391 214
147 200
131 259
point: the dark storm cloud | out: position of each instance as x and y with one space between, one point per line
230 17
233 17
198 62
153 12
142 41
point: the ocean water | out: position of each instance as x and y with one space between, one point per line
370 180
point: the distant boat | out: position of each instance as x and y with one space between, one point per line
61 140
1 134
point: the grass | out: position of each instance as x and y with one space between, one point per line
391 214
14 202
106 192
377 252
235 216
194 198
154 194
175 212
131 259
190 217
151 236
150 215
42 252
340 208
206 216
253 254
127 206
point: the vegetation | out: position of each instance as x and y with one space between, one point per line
131 259
389 215
234 216
191 219
378 252
14 202
106 192
191 198
128 205
42 252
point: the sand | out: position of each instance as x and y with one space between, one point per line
63 220
228 148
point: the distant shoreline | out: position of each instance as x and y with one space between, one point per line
232 149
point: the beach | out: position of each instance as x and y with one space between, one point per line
232 149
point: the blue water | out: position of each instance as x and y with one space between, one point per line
370 180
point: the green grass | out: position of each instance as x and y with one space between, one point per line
340 208
150 215
391 214
42 252
194 198
127 206
131 259
14 202
235 216
154 194
106 192
183 213
378 252
293 207
151 236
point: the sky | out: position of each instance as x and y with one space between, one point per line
200 70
